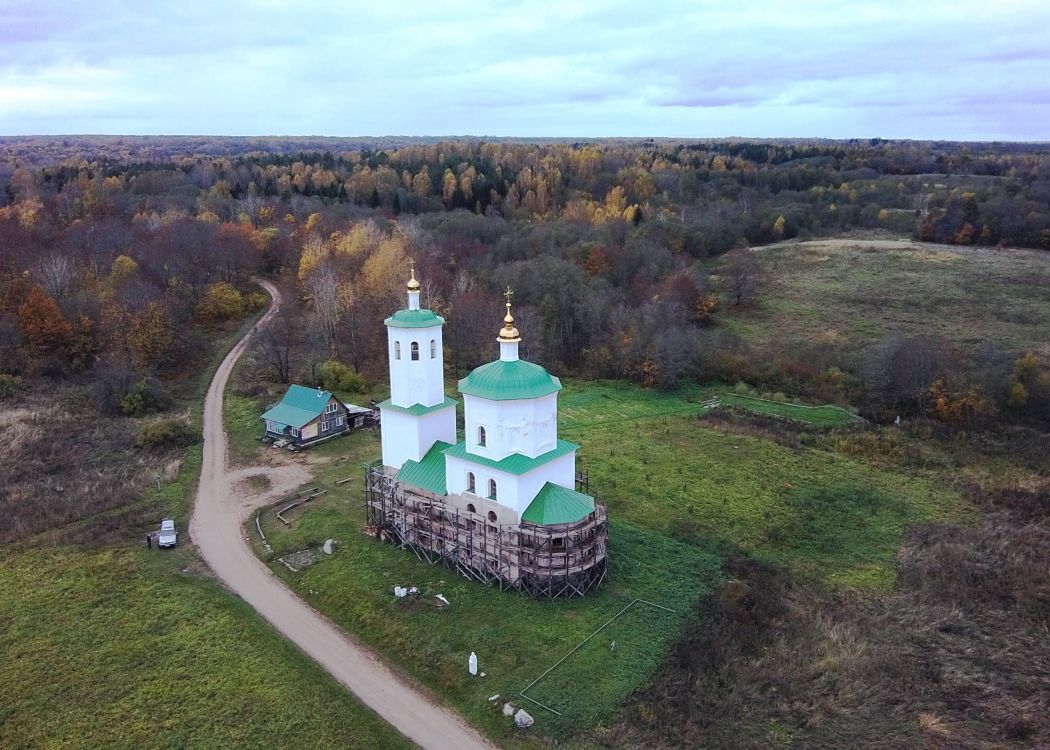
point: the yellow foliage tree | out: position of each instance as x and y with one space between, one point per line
221 302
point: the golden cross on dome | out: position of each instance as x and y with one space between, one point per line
508 294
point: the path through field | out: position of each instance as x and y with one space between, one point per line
217 529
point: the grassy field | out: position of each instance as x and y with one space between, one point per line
827 415
850 293
681 494
119 648
659 467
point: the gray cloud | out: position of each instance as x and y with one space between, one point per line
798 67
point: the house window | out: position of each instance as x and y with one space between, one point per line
492 489
492 516
433 349
471 508
397 350
325 426
294 431
338 421
471 487
331 408
415 351
481 436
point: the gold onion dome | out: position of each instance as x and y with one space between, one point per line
413 285
509 332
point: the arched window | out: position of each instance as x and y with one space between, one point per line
397 350
471 508
481 436
415 350
492 516
492 489
471 486
433 349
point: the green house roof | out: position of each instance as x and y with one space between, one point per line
556 504
504 381
414 319
515 463
299 406
429 472
418 410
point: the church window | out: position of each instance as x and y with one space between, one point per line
558 543
471 487
433 349
397 350
415 351
481 436
492 516
471 508
492 489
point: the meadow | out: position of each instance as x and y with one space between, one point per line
848 294
682 494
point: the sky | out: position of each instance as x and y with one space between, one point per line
923 69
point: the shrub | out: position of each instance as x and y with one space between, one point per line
335 376
256 301
10 385
145 397
166 433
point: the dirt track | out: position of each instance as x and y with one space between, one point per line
217 530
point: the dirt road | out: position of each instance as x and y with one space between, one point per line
217 530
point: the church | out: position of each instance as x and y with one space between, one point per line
505 504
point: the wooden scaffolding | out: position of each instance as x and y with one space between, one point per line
553 561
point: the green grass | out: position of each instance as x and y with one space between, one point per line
847 293
516 638
679 494
117 648
658 466
827 415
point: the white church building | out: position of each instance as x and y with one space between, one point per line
502 503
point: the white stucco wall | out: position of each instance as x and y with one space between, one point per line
514 491
419 381
526 426
405 437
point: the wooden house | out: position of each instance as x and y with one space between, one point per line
309 415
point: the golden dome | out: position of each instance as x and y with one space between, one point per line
413 285
509 332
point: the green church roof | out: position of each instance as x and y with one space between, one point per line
299 406
515 463
555 504
504 381
429 472
414 319
418 410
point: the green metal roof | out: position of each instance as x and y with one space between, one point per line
515 463
556 504
429 472
414 319
299 406
418 410
504 381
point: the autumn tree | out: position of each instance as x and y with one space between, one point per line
45 329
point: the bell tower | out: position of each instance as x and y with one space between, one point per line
418 413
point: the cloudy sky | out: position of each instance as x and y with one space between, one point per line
838 68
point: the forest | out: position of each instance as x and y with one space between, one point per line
117 253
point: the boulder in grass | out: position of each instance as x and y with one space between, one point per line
523 719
